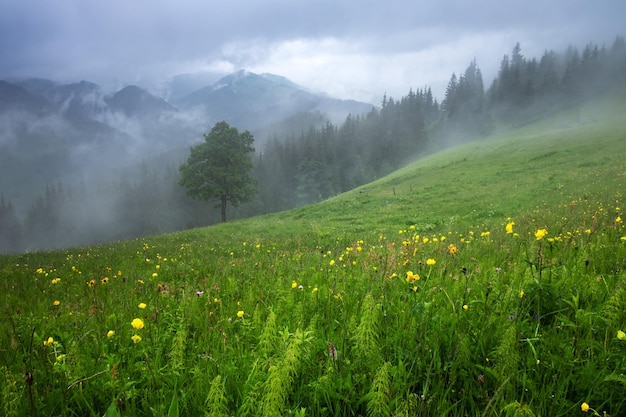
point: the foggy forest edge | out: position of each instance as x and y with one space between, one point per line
317 162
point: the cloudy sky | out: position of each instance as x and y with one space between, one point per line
348 48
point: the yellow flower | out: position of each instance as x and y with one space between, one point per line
465 307
136 338
240 314
539 234
618 219
332 262
521 293
49 341
55 281
56 302
314 290
509 227
411 277
621 335
623 238
452 249
584 407
142 305
294 284
137 324
104 280
154 275
110 333
430 262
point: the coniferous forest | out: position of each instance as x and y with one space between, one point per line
319 162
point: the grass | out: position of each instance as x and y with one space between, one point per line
407 296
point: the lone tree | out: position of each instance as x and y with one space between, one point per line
219 168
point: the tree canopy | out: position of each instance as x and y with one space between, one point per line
219 168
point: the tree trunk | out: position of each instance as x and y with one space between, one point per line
224 201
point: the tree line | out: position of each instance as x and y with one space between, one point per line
319 162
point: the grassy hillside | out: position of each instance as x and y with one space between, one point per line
484 280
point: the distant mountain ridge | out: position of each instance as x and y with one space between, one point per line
249 100
50 131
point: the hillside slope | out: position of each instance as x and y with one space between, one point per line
575 153
483 280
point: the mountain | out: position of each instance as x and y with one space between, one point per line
16 98
248 100
134 101
76 133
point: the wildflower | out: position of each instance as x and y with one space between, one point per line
509 227
110 334
60 358
588 231
465 307
104 280
430 262
621 335
618 220
91 283
55 281
140 281
49 341
452 249
485 234
56 302
137 324
584 407
332 262
154 275
136 338
539 234
142 305
411 277
240 314
40 270
623 238
294 284
198 293
314 290
521 294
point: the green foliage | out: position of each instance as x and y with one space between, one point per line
313 312
219 167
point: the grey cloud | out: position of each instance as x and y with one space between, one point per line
121 41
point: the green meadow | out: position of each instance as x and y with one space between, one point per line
484 280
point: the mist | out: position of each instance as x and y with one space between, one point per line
79 166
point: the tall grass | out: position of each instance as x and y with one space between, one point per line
443 299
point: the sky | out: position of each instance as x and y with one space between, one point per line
350 49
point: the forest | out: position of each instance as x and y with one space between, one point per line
316 163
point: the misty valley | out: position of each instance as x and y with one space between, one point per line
79 166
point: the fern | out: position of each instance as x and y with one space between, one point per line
11 398
506 354
517 409
280 378
366 346
216 401
269 339
378 405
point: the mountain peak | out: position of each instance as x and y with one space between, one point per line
135 101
